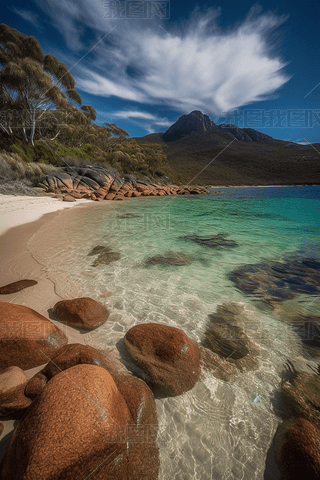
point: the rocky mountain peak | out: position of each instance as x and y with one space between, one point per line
195 121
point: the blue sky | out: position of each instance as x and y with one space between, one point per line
252 64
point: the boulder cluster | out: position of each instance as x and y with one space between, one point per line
95 183
84 414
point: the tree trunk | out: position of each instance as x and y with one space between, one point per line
33 125
24 134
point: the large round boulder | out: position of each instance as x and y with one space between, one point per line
82 312
13 402
81 426
297 451
166 354
68 356
28 339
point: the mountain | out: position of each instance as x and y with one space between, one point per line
211 154
194 122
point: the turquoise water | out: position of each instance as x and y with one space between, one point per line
218 430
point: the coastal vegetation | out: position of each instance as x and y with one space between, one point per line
43 121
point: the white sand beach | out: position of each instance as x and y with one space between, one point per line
17 210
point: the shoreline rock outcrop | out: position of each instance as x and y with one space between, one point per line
96 183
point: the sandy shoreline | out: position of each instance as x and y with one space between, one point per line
20 218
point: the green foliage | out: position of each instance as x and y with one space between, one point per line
37 153
31 82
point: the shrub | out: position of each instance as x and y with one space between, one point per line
13 167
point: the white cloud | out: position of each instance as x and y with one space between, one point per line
161 122
134 114
27 16
98 85
194 65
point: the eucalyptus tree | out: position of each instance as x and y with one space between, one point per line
115 135
31 83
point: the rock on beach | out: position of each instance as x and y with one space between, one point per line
166 354
17 286
86 423
28 339
81 312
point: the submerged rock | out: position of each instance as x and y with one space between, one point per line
166 354
302 392
98 249
81 312
112 434
277 282
217 242
217 366
225 339
170 258
27 338
17 286
106 256
225 335
128 215
297 452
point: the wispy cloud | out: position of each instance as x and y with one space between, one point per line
127 114
98 85
27 16
183 67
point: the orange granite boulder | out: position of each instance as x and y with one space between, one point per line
166 354
28 339
86 424
17 286
297 452
67 357
101 192
68 198
110 196
136 193
81 312
13 402
75 194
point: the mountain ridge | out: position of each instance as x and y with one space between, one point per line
228 155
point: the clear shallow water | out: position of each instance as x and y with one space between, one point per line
218 430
